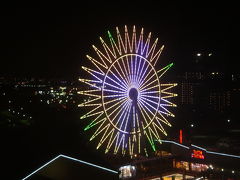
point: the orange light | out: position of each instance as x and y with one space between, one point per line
180 137
198 154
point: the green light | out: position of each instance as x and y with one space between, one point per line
153 146
110 37
109 34
165 69
89 126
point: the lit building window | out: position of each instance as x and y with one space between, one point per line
127 172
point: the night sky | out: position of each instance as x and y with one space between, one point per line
53 42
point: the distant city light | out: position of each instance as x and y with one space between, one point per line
228 120
210 54
222 169
199 54
192 125
233 172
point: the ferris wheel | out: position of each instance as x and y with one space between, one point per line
127 103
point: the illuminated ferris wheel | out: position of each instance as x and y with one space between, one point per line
126 100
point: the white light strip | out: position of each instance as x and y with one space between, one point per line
41 167
211 152
90 164
175 143
222 154
198 147
74 159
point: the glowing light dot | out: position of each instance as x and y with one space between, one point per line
199 54
192 125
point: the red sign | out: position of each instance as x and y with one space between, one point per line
180 137
198 154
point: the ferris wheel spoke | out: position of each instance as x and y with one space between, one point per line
146 84
141 81
141 71
123 115
114 95
150 107
128 116
113 100
126 69
126 113
144 75
120 76
116 104
138 124
116 87
135 62
138 70
149 92
132 70
134 119
114 92
149 88
121 111
119 105
149 100
143 113
123 69
146 106
122 83
135 69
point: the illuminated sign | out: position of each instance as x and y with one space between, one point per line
180 137
198 154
